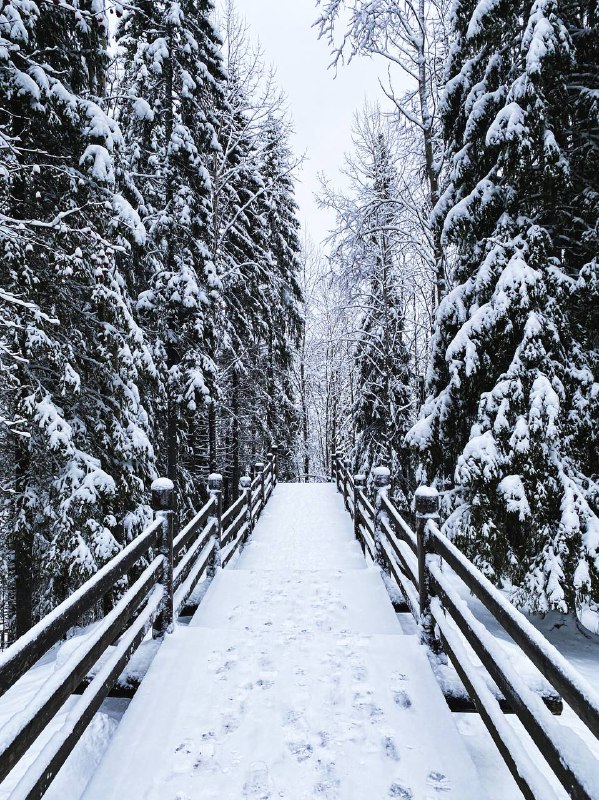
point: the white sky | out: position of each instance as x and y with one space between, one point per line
321 105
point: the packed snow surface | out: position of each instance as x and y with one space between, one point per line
294 680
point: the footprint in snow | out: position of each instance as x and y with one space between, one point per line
184 757
230 723
439 782
403 793
257 783
402 698
324 738
293 717
301 750
204 755
226 667
390 748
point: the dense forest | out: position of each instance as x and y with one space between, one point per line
150 260
457 340
161 315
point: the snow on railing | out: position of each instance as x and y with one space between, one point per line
176 565
413 559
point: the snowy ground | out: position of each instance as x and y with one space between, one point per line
293 680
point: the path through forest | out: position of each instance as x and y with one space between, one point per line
293 680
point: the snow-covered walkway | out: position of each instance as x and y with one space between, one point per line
294 680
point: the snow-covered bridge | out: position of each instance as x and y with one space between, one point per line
293 679
281 668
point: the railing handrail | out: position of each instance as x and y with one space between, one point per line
574 688
412 559
27 649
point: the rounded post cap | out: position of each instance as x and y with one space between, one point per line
163 490
426 502
382 476
245 482
259 465
360 479
215 481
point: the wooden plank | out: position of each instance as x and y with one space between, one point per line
404 584
233 547
463 704
199 567
399 525
579 695
367 541
233 511
234 527
23 654
409 567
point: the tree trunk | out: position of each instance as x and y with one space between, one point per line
212 456
23 545
235 471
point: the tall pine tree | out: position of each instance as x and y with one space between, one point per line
80 444
173 84
512 395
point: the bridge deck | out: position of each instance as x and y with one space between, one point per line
294 680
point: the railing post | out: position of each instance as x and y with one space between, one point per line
334 466
275 465
260 472
270 460
215 490
347 467
163 503
382 485
426 506
245 486
359 485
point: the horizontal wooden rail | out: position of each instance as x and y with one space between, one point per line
193 528
575 690
41 772
233 511
412 559
30 647
23 728
183 568
514 752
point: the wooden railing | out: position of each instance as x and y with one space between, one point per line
415 560
170 566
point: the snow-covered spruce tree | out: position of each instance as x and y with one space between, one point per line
172 92
239 244
78 442
376 268
283 293
242 255
508 426
381 415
